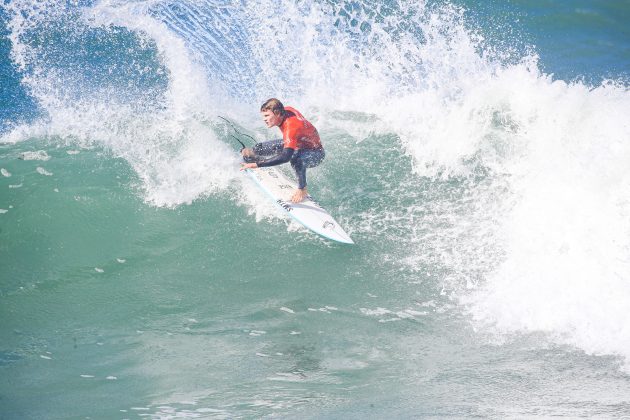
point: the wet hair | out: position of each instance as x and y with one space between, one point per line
274 106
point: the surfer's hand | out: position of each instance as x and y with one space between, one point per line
248 166
299 195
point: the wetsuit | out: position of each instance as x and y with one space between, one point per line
300 145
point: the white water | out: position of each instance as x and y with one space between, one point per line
566 269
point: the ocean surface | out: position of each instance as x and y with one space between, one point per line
477 153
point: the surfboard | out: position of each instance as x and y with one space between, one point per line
308 212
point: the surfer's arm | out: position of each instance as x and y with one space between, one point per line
284 157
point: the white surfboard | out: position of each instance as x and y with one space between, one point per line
308 212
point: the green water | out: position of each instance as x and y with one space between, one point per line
113 308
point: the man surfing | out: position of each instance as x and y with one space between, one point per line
300 144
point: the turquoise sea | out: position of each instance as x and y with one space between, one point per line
477 153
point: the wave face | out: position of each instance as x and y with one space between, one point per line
474 176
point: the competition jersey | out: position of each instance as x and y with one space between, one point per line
297 132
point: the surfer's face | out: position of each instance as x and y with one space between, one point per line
271 119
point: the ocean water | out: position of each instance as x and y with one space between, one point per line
476 153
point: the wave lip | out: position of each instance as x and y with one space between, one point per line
111 76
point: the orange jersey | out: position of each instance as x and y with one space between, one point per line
297 132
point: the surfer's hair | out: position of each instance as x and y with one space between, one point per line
273 105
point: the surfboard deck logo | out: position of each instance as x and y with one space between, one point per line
308 212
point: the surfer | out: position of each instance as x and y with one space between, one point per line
300 144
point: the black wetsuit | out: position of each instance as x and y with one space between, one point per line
271 153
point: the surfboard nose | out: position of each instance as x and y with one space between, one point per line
336 232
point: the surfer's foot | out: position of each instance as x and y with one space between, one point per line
299 195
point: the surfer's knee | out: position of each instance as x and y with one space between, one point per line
257 149
314 158
268 147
